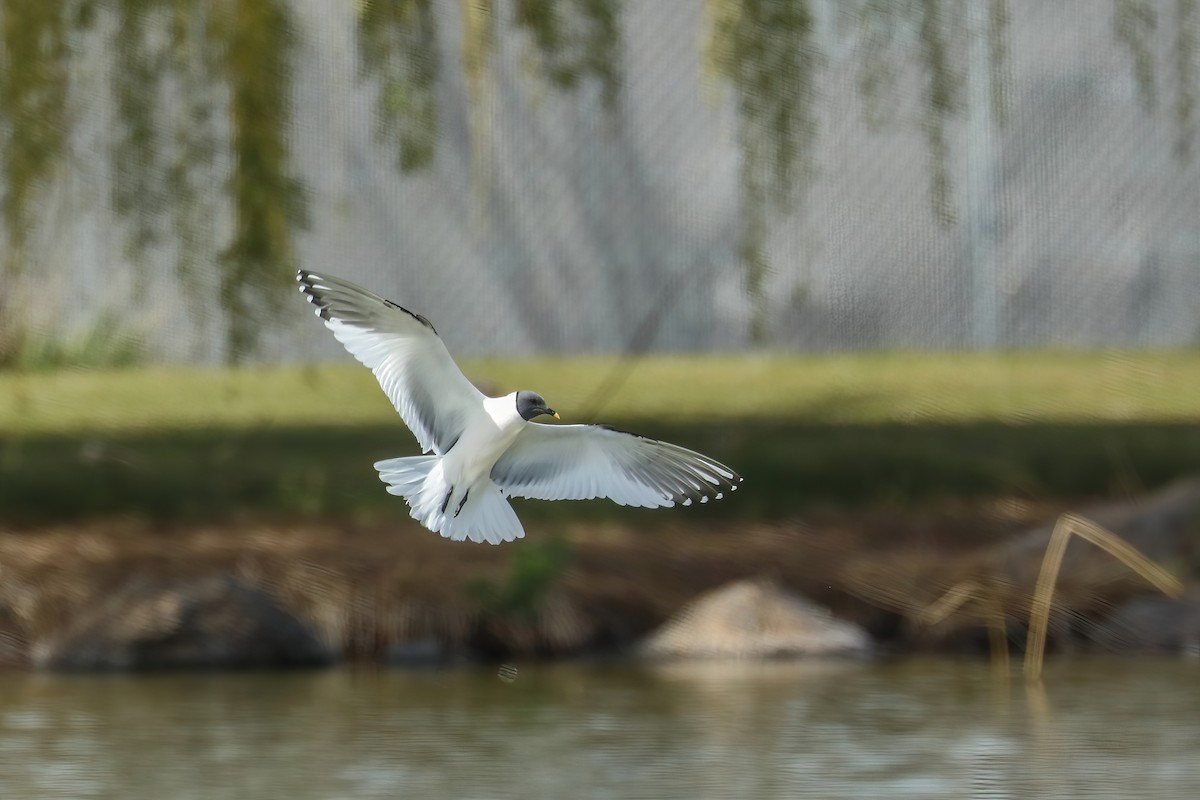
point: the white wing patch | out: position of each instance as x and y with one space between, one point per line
406 355
582 462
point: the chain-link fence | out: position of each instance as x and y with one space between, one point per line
606 176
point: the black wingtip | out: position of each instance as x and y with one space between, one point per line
308 289
318 290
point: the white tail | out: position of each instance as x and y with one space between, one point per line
405 476
482 515
486 516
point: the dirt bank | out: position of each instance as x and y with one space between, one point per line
379 590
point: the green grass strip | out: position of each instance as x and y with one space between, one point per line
871 388
840 431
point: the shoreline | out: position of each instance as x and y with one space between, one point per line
388 591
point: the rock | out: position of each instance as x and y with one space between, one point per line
753 619
1154 624
215 621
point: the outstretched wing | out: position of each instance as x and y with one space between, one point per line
404 351
581 462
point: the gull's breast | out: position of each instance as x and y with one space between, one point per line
482 443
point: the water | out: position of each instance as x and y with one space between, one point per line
910 728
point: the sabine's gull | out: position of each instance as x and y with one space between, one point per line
482 450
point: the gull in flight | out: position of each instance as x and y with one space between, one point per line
482 450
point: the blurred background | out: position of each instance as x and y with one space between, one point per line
926 272
551 176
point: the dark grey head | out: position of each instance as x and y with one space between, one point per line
531 404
